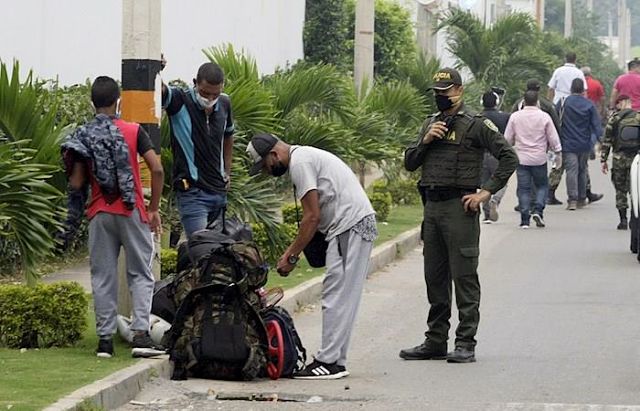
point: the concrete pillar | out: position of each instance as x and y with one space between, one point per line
141 98
363 50
568 18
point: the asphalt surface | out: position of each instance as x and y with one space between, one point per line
558 330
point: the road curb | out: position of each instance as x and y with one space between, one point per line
122 386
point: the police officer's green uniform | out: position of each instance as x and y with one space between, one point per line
451 168
623 154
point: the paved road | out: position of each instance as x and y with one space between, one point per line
559 329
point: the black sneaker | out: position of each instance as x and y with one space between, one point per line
319 370
461 355
539 220
425 351
143 346
105 348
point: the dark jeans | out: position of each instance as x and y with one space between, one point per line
530 178
451 250
198 208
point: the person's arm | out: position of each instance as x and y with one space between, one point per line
78 176
415 153
146 150
157 183
509 132
553 82
551 93
227 146
308 228
614 96
553 139
507 158
596 124
607 143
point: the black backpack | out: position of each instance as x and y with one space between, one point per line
295 355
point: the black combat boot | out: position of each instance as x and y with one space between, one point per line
593 197
551 198
624 224
425 351
462 355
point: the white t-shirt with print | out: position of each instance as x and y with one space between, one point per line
343 202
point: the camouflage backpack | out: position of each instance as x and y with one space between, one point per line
217 332
628 131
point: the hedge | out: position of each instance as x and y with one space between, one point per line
45 315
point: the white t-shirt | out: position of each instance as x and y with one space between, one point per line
343 202
562 78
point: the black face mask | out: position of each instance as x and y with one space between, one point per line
278 169
443 102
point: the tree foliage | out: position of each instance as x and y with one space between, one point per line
394 41
326 33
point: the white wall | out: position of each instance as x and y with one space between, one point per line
76 39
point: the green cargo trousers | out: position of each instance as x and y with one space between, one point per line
451 239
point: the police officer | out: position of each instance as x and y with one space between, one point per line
624 150
450 149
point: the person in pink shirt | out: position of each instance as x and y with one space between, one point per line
628 84
532 132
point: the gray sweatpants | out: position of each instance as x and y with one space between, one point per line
342 289
107 233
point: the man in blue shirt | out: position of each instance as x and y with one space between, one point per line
202 143
580 128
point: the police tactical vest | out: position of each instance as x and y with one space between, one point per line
628 131
454 161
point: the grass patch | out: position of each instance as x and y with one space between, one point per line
37 378
401 219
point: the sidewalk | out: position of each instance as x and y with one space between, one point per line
79 273
122 386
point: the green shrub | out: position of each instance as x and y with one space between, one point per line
271 252
289 215
403 191
46 315
169 259
381 203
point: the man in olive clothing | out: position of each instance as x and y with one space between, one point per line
450 149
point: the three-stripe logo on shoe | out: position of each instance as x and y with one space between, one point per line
320 371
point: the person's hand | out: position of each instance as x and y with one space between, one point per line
154 222
284 267
227 182
471 202
558 161
163 62
437 130
605 167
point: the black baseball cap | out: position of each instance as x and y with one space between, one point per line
259 146
446 78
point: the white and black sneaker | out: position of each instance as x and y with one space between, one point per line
539 221
144 347
105 348
319 370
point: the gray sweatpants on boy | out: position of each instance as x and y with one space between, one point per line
107 233
342 289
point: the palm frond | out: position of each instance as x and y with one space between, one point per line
237 66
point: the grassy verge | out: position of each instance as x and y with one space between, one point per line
37 378
401 219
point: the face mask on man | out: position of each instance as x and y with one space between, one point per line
278 169
445 103
204 102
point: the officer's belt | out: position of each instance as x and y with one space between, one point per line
445 194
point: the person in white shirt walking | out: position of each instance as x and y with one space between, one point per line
560 83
